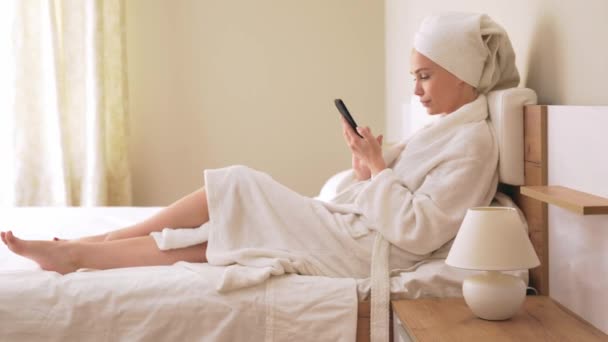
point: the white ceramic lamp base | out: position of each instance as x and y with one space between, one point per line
494 295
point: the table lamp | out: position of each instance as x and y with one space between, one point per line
493 239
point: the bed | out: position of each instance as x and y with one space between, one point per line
180 302
177 303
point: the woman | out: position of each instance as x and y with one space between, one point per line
415 196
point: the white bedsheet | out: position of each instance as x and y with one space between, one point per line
179 302
170 303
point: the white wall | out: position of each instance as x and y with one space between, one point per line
561 53
216 83
578 245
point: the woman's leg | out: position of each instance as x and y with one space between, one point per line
130 246
65 257
188 212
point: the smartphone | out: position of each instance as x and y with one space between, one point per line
344 111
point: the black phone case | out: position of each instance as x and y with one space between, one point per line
346 114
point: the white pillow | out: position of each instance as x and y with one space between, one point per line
335 184
506 109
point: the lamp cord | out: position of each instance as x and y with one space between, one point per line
531 290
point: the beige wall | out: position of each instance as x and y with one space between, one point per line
216 83
562 53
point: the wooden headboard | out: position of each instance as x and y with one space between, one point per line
535 170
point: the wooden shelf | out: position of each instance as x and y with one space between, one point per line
579 202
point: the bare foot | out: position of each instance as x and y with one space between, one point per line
50 255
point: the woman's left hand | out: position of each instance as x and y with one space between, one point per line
367 149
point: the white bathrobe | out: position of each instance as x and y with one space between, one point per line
262 228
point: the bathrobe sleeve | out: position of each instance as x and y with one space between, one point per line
422 220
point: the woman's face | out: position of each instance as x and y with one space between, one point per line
439 90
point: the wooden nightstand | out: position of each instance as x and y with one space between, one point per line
540 319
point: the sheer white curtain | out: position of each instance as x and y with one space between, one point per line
63 123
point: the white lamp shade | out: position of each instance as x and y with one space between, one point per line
492 239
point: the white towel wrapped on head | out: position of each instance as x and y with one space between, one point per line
471 46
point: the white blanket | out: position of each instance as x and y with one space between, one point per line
172 303
162 303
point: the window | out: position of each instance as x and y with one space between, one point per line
7 94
